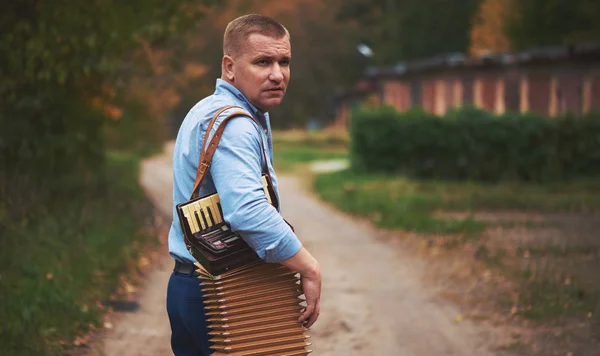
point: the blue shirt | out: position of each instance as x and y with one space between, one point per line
235 174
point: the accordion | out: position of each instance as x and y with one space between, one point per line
211 241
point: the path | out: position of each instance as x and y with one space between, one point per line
373 301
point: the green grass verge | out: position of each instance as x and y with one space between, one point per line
58 266
288 155
398 202
389 202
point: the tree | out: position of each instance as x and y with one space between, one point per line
411 29
488 34
66 67
534 23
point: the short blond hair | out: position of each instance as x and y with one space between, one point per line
241 28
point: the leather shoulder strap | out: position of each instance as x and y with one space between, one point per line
198 179
210 125
208 149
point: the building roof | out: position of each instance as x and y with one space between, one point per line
582 52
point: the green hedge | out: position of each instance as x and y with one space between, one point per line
471 144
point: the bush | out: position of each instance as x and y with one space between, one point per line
471 144
60 266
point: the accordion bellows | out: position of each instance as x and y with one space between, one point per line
254 311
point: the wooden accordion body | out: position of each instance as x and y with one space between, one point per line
252 307
254 311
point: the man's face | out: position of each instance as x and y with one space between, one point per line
262 70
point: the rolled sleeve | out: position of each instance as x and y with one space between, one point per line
236 170
282 249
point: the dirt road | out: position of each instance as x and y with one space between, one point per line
373 303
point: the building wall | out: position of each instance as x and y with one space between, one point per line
546 89
440 104
449 93
488 92
595 91
512 90
468 90
539 93
397 94
500 97
457 92
427 95
568 94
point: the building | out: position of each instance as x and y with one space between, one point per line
546 81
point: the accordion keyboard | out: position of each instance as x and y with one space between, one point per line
205 216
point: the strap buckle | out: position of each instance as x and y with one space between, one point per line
203 166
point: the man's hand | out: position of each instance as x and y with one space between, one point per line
312 291
310 274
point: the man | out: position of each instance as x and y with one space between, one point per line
255 74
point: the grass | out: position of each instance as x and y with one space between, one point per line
292 149
390 203
58 266
400 202
556 284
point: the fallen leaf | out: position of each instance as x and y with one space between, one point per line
108 325
459 318
49 276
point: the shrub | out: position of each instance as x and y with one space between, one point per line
471 144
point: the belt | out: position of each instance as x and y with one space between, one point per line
185 268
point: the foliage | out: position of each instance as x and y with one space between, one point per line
410 29
62 66
488 32
73 75
474 145
59 267
62 44
534 23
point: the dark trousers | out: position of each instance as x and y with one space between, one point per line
189 333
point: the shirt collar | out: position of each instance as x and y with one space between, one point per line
224 87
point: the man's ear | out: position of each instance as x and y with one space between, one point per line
227 65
